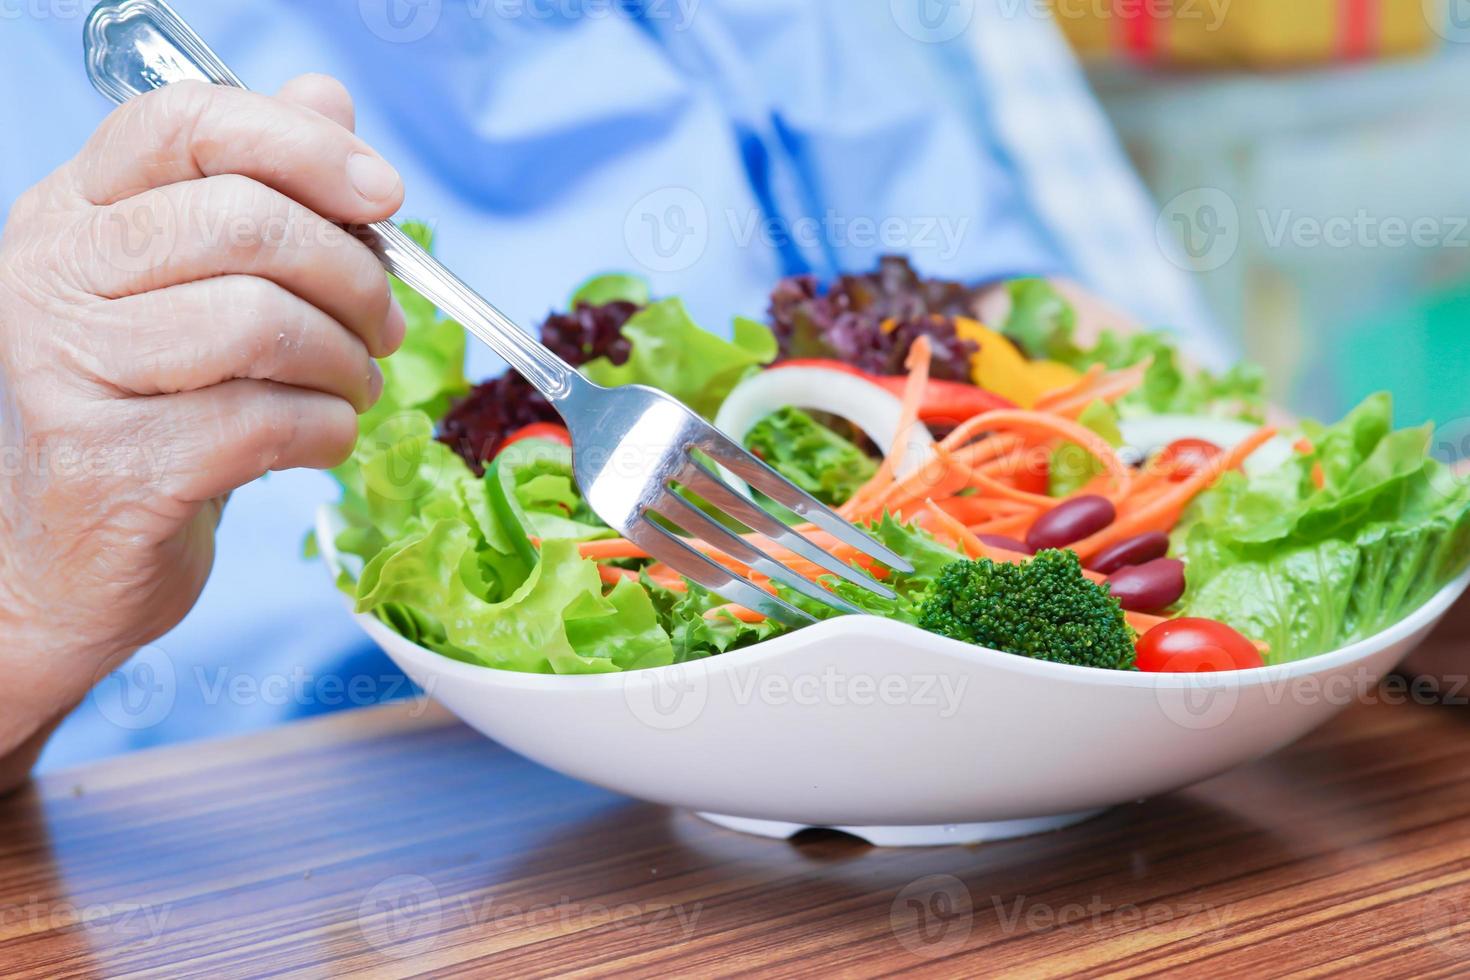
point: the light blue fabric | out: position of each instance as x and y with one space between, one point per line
712 145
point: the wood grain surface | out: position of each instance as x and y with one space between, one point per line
393 841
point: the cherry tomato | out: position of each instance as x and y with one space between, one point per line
537 430
1191 646
1184 457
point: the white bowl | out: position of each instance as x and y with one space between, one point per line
894 734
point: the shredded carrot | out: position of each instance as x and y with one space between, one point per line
736 612
612 575
1109 388
1162 512
1008 526
978 510
1143 622
1050 428
1082 385
920 356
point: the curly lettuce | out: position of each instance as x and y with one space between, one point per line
1308 568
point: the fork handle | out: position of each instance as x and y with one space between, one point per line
136 46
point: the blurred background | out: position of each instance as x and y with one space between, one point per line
1309 161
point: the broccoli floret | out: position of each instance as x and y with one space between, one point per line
1044 608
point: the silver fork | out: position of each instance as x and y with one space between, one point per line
632 445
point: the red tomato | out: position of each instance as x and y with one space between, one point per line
1184 457
538 430
1191 646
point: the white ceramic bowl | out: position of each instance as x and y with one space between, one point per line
894 734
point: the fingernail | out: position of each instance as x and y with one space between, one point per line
396 328
375 383
373 177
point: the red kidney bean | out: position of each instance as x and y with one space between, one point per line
1070 522
1007 544
1133 551
1150 587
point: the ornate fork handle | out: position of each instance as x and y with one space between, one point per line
136 46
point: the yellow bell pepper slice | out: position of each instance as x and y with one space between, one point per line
1002 368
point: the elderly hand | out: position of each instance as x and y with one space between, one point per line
178 316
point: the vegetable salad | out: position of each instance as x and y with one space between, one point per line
990 456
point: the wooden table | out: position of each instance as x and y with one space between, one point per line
394 841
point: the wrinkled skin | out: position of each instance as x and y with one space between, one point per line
178 316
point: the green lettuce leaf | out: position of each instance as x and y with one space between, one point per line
672 353
1308 569
1071 467
812 456
1044 323
610 288
927 555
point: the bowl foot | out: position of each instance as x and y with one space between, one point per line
931 835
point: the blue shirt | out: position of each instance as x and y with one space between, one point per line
711 145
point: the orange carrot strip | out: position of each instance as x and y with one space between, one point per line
867 497
1083 384
1110 388
1143 622
1051 427
1162 513
611 575
609 548
1008 526
736 612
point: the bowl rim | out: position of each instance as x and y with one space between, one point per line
836 629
